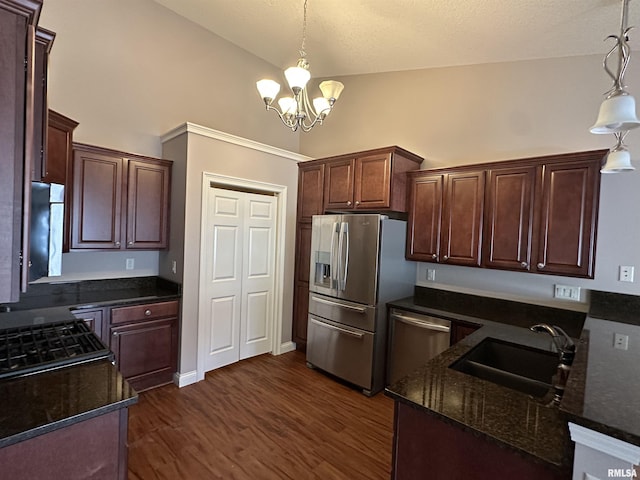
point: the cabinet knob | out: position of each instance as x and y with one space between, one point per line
434 256
524 265
349 202
147 312
117 244
541 265
130 243
357 202
115 334
445 258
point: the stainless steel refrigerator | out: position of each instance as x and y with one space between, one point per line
357 265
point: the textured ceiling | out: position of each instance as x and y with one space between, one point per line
363 36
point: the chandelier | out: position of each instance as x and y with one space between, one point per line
297 111
617 114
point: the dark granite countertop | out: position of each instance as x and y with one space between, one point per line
46 401
603 393
44 303
505 416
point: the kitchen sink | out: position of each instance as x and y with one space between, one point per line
519 367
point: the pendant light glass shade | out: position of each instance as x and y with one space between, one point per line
288 105
617 114
297 77
331 89
268 89
618 160
321 106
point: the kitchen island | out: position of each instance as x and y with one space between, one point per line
451 425
70 421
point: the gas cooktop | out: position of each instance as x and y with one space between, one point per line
34 348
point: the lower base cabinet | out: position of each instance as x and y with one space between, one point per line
426 448
95 448
144 339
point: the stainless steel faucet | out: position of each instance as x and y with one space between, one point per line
566 351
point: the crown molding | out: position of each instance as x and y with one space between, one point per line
189 127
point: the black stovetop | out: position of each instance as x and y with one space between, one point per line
34 348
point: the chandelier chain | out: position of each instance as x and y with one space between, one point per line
303 52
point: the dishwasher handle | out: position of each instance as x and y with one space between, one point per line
420 323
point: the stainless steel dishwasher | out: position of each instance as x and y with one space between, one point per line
414 339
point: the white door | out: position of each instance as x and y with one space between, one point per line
238 276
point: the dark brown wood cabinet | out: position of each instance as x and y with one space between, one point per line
568 209
59 152
535 214
310 202
461 330
119 201
508 220
43 43
374 180
18 19
445 216
95 319
144 339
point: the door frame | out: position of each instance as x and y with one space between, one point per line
280 192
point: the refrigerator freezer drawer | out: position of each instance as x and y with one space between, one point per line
341 350
341 311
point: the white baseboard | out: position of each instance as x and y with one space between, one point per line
287 347
184 379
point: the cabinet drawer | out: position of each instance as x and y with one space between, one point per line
147 311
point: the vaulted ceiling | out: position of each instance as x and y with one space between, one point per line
363 36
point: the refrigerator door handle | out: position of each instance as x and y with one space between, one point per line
333 265
336 304
340 251
345 245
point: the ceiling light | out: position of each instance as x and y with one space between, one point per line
297 111
617 112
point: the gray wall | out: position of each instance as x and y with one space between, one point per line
471 114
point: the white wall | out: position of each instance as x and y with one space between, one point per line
193 154
472 114
128 71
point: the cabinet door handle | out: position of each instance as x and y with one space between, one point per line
524 265
117 244
349 203
130 243
147 312
434 256
541 265
357 202
445 258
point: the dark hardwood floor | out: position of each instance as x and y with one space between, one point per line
262 418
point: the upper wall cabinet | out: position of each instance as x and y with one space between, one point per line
374 180
310 187
119 201
536 214
445 216
18 19
43 43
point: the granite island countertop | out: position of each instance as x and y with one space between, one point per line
42 402
511 419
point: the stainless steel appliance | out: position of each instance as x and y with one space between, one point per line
357 265
414 339
45 237
34 348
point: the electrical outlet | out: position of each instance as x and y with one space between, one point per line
567 292
620 341
431 274
626 273
130 264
